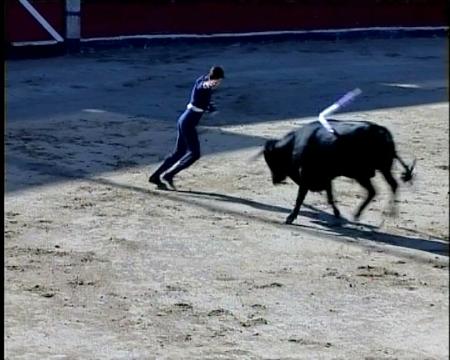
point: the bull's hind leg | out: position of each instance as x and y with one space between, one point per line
330 198
367 184
394 185
302 191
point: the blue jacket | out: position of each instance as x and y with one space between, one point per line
201 95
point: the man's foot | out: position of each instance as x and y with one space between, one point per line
157 181
169 179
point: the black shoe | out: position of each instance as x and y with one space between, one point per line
168 179
157 181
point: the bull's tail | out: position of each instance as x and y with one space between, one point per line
407 175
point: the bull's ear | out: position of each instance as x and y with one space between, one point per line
286 142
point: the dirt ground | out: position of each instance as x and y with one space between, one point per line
101 265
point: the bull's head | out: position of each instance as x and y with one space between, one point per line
278 155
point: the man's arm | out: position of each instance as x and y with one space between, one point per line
211 107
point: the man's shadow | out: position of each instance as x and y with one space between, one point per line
340 227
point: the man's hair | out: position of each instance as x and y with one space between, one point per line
216 72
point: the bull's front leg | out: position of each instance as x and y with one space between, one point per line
302 191
330 198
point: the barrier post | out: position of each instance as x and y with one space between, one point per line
73 30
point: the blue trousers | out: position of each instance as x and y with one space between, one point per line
187 146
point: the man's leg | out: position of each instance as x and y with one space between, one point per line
192 155
169 161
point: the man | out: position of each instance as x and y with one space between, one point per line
187 147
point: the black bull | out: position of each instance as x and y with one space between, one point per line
312 157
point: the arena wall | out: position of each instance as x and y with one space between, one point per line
109 19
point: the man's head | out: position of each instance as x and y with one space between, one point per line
216 73
215 76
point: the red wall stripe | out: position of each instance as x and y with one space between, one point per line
20 25
100 18
140 17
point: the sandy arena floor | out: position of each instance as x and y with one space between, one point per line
101 265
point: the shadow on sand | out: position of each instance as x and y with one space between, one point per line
341 228
335 228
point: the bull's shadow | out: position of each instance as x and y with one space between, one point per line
342 227
339 228
349 229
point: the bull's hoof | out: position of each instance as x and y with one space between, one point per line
289 220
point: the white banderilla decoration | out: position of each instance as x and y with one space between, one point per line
343 101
